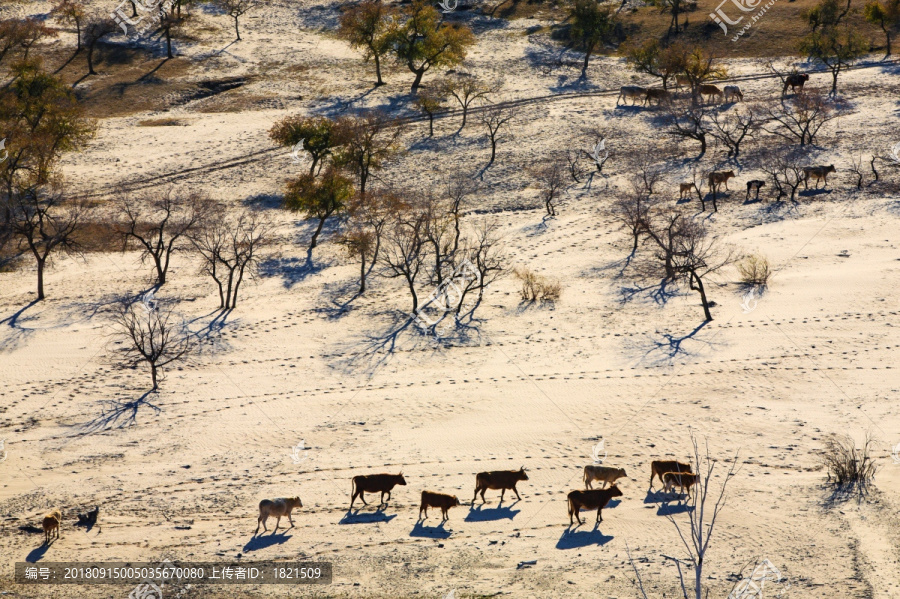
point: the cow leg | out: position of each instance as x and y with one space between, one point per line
291 520
362 495
516 491
277 522
483 500
425 509
258 522
475 496
604 484
587 483
444 515
599 515
502 491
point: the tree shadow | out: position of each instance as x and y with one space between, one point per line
292 270
354 517
572 538
264 201
660 292
429 532
117 414
811 193
669 346
263 541
480 513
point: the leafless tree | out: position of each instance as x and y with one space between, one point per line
733 127
95 30
597 153
632 209
43 223
697 183
160 223
687 121
551 181
782 165
696 256
495 119
702 523
235 9
230 247
467 88
367 217
403 252
154 336
459 187
439 233
485 252
800 118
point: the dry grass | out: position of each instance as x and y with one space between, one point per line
754 270
163 122
850 469
537 287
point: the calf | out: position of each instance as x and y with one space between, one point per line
632 91
499 479
794 80
50 523
606 474
716 178
660 467
732 92
276 508
754 184
712 91
439 500
90 519
682 479
591 499
685 188
660 95
375 483
819 173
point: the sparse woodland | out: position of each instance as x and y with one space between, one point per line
420 185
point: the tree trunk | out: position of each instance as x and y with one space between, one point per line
169 42
160 271
587 58
430 124
236 31
90 59
412 291
153 376
418 80
493 150
834 78
315 237
78 34
40 278
887 34
362 272
377 69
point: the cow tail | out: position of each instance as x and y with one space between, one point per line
352 486
570 507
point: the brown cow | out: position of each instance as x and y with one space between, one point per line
499 479
439 500
607 474
632 91
712 91
660 95
276 508
660 467
51 522
794 80
375 483
685 188
716 178
590 499
819 173
754 184
682 479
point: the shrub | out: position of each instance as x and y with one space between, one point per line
850 469
537 287
754 270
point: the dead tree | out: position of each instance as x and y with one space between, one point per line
632 210
697 255
551 182
160 225
230 248
687 121
367 217
495 119
235 9
486 254
783 167
701 522
154 336
466 89
44 224
403 253
800 118
732 128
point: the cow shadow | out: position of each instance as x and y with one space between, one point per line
37 553
479 513
429 532
572 538
667 509
354 517
269 540
657 497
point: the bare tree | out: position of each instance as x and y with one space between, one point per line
44 224
496 118
782 165
236 9
688 121
154 336
230 248
404 249
95 30
632 210
551 182
799 119
367 217
485 252
431 101
702 524
160 224
467 89
732 128
74 11
696 256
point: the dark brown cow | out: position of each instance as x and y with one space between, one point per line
589 500
499 479
375 483
660 95
660 467
681 479
793 81
439 500
756 184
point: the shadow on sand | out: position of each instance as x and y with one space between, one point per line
572 538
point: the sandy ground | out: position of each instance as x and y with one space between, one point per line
180 473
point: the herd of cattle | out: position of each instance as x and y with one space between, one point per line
731 93
670 472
